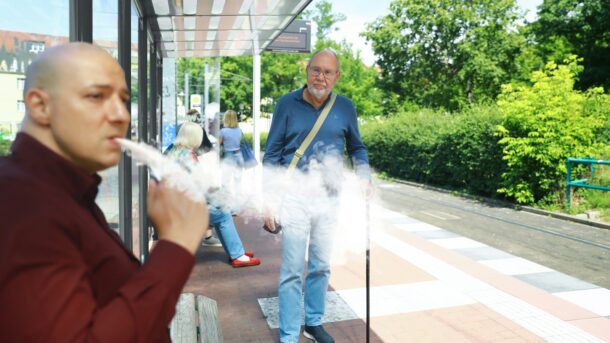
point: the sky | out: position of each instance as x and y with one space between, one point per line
52 17
361 12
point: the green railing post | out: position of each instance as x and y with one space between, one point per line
583 183
568 178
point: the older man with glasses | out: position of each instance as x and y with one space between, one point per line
308 222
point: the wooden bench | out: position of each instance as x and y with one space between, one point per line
196 320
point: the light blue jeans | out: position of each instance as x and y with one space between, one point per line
234 157
300 221
227 233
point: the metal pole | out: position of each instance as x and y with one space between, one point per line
143 133
368 271
125 171
206 86
256 92
154 98
256 104
187 96
81 20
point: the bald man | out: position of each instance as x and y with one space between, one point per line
64 275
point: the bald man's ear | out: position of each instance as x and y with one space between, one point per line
38 105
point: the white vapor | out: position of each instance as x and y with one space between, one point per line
265 189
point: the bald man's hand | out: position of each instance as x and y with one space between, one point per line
176 217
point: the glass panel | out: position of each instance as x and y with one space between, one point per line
25 31
170 116
105 34
105 25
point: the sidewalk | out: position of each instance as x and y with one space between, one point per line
427 285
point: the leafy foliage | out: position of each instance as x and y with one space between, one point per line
358 82
324 18
236 84
263 138
459 150
447 53
577 27
281 73
4 147
543 125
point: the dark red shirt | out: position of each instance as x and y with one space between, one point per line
64 275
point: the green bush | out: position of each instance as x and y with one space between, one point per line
469 156
403 145
543 125
248 136
459 150
4 147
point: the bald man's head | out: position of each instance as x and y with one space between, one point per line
48 68
76 96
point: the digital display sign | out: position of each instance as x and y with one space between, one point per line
295 38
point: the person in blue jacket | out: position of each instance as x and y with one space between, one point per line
304 230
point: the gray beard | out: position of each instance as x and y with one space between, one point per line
318 94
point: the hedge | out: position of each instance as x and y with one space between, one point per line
455 150
248 136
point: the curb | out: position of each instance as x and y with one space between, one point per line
529 209
567 217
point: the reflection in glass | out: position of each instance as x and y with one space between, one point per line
25 31
105 34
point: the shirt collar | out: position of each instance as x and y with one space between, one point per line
48 167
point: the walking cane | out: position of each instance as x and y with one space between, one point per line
368 270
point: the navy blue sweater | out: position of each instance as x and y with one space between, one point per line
294 117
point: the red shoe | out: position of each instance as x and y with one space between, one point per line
247 253
252 262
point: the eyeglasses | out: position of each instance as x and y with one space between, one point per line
315 71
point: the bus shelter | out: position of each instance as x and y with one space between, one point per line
168 29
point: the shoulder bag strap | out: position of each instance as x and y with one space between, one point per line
314 131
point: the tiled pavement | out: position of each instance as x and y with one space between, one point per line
427 285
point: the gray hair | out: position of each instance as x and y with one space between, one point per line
189 135
328 50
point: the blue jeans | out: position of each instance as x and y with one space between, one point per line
234 157
301 221
227 233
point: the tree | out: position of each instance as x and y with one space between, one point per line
236 84
447 53
196 71
577 27
324 18
358 82
283 73
543 125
